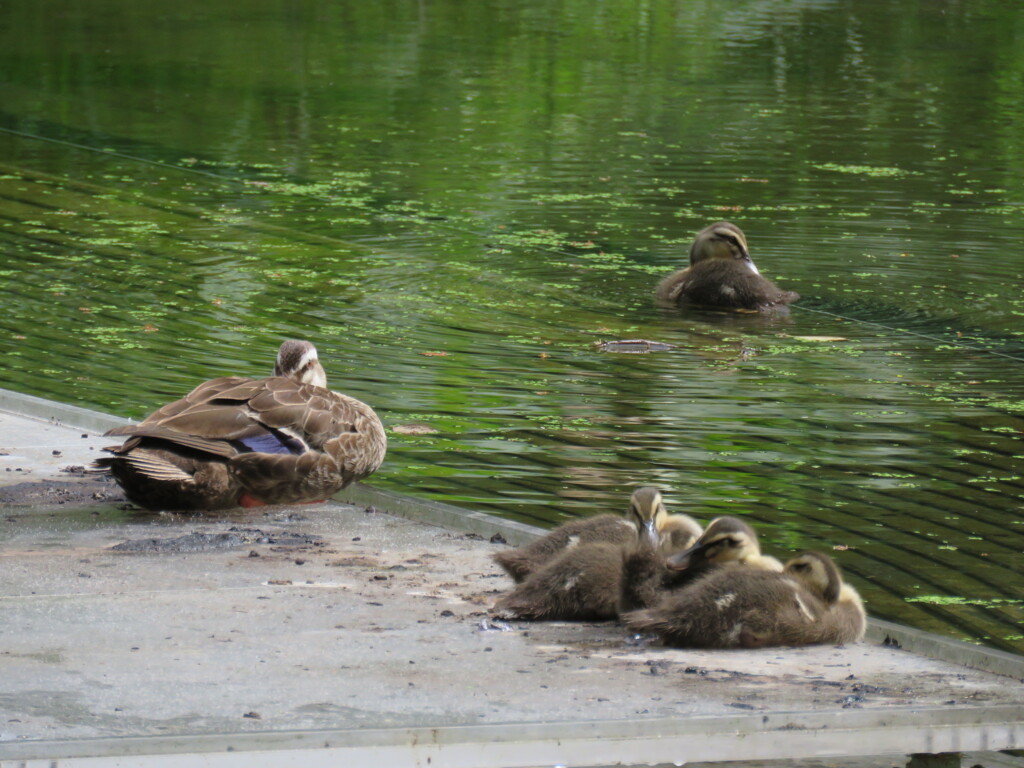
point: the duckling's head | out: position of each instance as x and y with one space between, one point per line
725 540
817 572
721 240
297 360
647 511
679 532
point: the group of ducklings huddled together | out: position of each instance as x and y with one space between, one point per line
662 574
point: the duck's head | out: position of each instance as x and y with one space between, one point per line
721 240
297 360
647 511
725 540
817 572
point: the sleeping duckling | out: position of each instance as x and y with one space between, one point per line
580 584
844 621
647 575
721 275
646 516
583 583
726 540
806 604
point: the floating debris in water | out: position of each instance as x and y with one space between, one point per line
413 429
821 338
633 346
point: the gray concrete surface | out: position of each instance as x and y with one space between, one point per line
327 634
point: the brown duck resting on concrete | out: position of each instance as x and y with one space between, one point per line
246 442
646 513
741 607
721 275
583 582
648 575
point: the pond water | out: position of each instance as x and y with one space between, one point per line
458 202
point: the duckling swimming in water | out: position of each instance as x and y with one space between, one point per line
731 607
648 575
721 275
583 582
646 516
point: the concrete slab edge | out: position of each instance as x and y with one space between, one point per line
517 534
41 409
760 736
946 649
443 515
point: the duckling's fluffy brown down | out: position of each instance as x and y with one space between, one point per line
609 529
580 584
740 607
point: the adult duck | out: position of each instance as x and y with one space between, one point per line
237 441
722 275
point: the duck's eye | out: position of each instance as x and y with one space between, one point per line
801 566
731 542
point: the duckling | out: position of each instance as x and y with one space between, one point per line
721 275
648 575
749 608
581 583
844 620
584 582
646 516
726 540
246 442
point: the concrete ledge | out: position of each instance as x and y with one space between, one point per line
436 513
762 737
57 413
938 647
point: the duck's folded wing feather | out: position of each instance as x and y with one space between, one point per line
203 393
156 468
213 446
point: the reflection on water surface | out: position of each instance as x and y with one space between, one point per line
458 204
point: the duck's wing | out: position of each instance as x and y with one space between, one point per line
212 446
216 418
344 437
324 420
203 393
